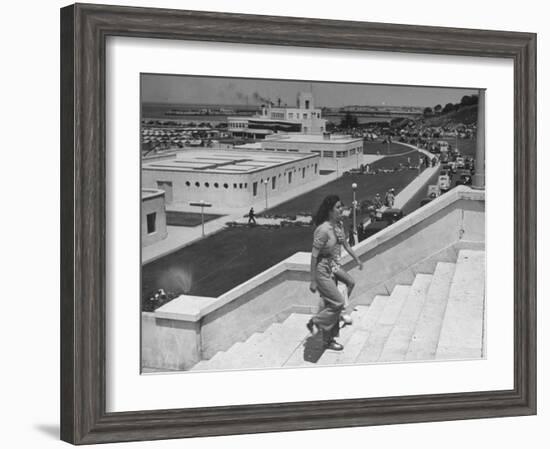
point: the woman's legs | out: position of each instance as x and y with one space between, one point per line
327 320
344 277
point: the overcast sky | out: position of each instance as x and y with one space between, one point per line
211 90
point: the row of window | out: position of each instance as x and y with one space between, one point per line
217 185
304 115
244 185
339 154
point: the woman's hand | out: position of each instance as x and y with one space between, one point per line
313 286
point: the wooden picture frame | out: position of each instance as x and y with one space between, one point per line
84 29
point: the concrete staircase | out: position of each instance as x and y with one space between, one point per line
440 316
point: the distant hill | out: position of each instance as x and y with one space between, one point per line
466 115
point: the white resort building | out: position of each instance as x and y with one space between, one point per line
153 216
304 119
229 178
338 153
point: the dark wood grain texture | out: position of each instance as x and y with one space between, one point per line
84 29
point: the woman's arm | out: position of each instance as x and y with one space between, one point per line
352 254
312 267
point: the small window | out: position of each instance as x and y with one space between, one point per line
216 185
240 185
206 184
226 186
151 222
197 184
187 183
234 186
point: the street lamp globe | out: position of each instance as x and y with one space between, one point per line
354 186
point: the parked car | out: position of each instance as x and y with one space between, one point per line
444 182
460 163
391 215
373 228
433 191
464 180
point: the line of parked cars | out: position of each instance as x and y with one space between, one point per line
461 169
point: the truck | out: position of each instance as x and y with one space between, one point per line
443 146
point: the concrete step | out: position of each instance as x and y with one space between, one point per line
426 334
371 350
217 361
269 349
360 332
462 329
333 357
398 341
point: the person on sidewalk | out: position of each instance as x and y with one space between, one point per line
390 197
251 216
378 201
325 270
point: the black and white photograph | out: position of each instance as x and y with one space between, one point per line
303 223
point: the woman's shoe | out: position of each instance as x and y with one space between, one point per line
346 319
333 345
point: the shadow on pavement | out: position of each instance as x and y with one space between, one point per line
313 348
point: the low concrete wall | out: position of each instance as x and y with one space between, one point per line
182 332
169 344
238 319
397 252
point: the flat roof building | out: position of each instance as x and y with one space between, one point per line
304 118
337 153
153 216
229 178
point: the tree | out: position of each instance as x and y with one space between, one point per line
437 109
468 100
449 107
428 112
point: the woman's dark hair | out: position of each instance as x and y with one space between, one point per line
325 208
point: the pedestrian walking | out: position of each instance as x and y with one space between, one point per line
390 197
378 201
251 216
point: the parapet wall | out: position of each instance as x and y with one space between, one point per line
192 329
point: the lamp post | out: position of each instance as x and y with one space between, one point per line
354 204
265 183
202 204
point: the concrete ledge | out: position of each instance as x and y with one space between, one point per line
195 308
